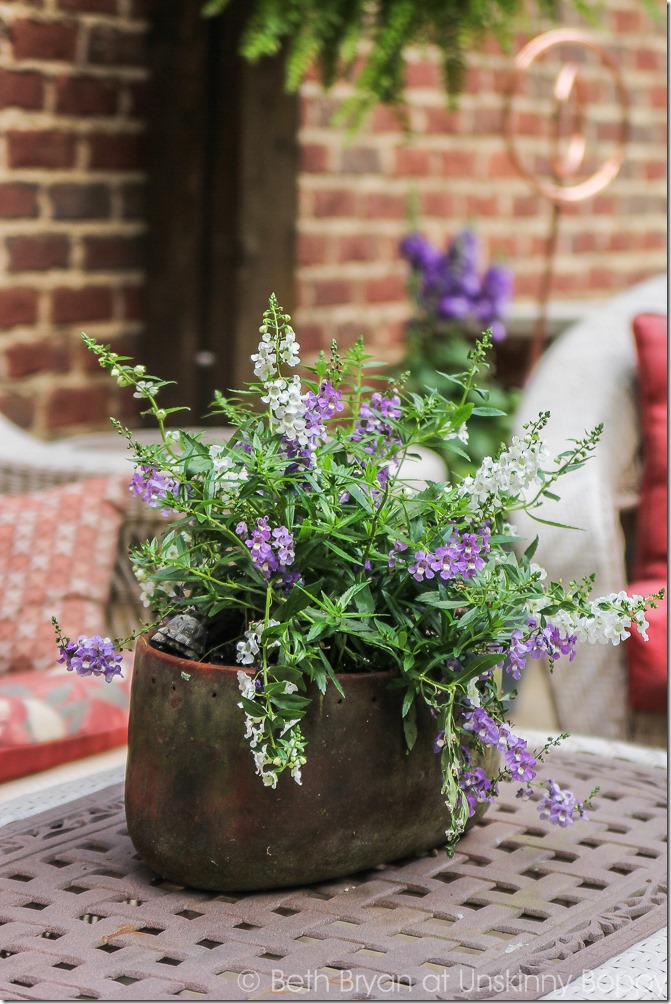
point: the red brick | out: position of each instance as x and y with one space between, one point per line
80 202
585 242
85 96
314 158
440 203
312 249
357 247
110 46
413 161
526 205
481 205
627 22
328 292
43 40
622 242
384 205
360 160
89 6
313 338
71 306
133 303
40 148
21 90
501 166
443 120
389 288
649 59
385 119
116 151
18 409
69 406
458 164
423 75
658 97
17 306
111 253
653 240
24 358
18 201
334 202
653 170
38 252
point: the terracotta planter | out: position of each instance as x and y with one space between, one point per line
199 815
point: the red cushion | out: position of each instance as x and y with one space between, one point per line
651 549
648 659
51 717
57 554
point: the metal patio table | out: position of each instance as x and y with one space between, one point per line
523 911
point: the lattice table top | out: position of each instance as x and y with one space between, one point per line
521 910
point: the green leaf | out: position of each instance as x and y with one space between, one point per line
531 549
410 726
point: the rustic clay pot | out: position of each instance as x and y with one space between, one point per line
199 815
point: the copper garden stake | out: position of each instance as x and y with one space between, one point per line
566 156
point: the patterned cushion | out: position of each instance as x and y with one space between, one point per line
50 717
57 554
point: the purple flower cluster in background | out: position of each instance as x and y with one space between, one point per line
153 486
91 656
461 555
451 287
271 551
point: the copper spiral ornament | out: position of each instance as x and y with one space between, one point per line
567 156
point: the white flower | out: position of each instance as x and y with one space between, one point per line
290 688
288 409
248 649
246 685
517 470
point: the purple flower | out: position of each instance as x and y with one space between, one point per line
559 806
453 308
91 656
439 741
461 555
521 762
153 486
482 726
539 643
418 252
271 551
477 787
398 547
422 566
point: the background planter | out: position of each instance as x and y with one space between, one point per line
199 815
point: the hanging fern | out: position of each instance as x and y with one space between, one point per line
328 32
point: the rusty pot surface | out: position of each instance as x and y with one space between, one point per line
199 815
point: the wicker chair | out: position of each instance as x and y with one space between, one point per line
588 376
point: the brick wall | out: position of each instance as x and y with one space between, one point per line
354 197
72 77
72 74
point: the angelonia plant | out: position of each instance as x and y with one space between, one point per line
299 545
453 300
